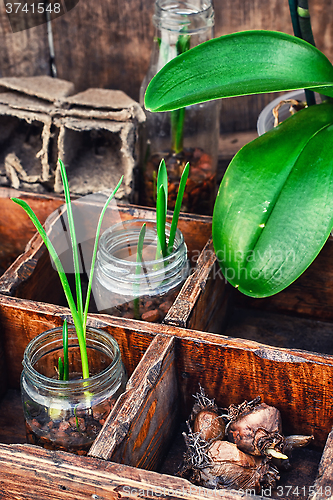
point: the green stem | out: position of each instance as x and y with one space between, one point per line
305 21
93 260
177 129
139 261
300 18
71 225
160 223
175 217
77 319
60 369
65 349
294 18
177 116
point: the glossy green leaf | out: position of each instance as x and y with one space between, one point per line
274 208
249 62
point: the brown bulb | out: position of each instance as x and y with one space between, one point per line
256 429
209 424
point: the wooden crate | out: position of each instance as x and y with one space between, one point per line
140 445
199 303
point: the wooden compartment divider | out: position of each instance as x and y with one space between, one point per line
166 364
140 445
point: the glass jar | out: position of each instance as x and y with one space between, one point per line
141 291
68 415
181 136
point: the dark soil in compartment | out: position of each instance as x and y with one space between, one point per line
281 330
294 484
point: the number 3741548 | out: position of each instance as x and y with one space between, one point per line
304 491
32 8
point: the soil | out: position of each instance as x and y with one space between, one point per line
152 309
200 188
75 433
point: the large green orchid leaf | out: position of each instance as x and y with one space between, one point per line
274 208
249 62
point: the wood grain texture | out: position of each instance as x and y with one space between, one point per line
28 473
32 276
139 428
16 228
323 485
167 365
203 301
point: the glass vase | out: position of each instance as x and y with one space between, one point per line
68 415
187 135
140 291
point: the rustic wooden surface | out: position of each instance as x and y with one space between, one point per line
28 473
139 429
280 330
23 278
323 485
163 359
203 301
16 228
108 45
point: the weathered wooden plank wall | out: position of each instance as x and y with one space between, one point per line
107 44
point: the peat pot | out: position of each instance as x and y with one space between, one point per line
266 118
68 415
144 290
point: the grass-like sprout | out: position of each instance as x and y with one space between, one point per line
164 249
79 313
139 261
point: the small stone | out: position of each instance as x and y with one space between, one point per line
35 423
151 316
82 453
164 307
78 422
63 426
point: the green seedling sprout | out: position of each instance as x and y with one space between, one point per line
63 366
164 249
139 261
79 314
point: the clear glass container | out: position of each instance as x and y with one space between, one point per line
141 291
68 415
181 136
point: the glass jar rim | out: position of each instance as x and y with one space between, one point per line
168 14
54 384
179 239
